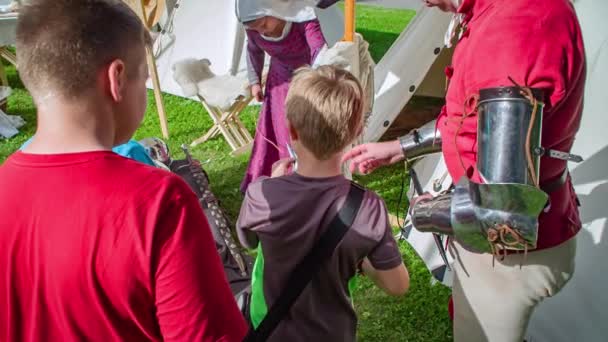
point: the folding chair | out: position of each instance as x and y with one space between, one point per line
227 123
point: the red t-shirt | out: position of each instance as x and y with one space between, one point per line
539 44
97 247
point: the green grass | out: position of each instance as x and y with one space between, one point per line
419 316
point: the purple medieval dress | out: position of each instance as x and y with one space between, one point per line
297 48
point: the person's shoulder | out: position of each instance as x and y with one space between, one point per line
541 13
373 202
255 187
372 220
560 16
147 181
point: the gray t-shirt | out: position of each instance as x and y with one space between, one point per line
289 214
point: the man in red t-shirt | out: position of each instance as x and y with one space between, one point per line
538 44
97 247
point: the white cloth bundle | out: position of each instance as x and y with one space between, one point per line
289 10
196 78
354 57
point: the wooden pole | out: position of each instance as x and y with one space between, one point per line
349 20
160 106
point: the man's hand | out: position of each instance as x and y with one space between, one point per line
368 157
256 92
282 167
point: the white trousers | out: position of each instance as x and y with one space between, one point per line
495 303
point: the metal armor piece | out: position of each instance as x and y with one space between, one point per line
481 215
509 133
433 215
421 141
484 214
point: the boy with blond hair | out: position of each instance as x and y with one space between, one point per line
97 247
284 216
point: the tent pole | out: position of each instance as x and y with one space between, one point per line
349 20
164 127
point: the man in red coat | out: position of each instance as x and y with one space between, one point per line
538 44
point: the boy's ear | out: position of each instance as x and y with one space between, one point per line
359 131
116 78
292 132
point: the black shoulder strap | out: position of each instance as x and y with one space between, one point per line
310 265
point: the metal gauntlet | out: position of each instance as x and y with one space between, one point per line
421 141
482 215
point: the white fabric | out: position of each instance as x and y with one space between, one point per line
493 303
448 39
289 10
196 78
354 57
286 30
453 27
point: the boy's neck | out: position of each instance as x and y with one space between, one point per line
72 127
309 166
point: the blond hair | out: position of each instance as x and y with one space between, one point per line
325 107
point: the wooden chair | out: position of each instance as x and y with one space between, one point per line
228 124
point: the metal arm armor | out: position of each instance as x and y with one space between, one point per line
421 141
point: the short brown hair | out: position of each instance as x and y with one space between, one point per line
62 44
325 106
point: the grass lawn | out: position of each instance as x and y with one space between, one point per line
419 316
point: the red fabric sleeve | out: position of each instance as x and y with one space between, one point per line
193 299
535 52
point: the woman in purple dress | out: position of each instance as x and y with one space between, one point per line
291 35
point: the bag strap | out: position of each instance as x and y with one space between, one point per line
306 269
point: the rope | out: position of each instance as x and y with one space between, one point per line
498 240
268 140
527 93
467 111
167 29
